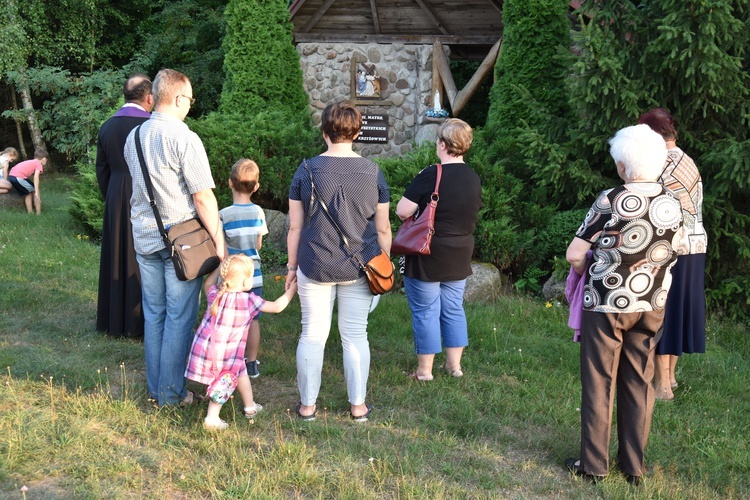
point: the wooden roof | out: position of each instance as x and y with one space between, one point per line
471 26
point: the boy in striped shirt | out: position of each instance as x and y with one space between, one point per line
244 227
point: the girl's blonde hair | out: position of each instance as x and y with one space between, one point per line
12 153
233 271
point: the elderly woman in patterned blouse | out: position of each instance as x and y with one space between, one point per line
356 194
633 231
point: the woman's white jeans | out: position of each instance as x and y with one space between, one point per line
317 310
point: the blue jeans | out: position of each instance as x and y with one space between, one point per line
437 313
170 310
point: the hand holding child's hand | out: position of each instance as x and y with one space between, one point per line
291 278
291 287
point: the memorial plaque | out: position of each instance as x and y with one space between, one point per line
374 129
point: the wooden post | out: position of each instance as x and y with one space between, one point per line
437 84
444 70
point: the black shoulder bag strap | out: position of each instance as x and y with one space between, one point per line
323 205
150 189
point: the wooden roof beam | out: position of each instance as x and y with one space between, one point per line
316 17
375 19
497 4
487 40
433 16
295 7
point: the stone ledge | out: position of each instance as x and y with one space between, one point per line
12 201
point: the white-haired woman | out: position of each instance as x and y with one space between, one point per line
633 230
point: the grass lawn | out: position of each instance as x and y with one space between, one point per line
75 420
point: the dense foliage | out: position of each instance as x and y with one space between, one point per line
81 35
186 35
261 63
531 73
529 91
71 103
86 203
273 139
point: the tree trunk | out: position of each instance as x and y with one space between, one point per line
21 146
36 134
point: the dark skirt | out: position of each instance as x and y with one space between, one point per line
685 317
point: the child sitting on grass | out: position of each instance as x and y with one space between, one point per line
244 227
219 343
8 156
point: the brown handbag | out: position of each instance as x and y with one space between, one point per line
415 234
192 249
379 271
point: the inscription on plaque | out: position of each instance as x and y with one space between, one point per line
374 128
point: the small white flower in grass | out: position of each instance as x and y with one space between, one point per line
372 459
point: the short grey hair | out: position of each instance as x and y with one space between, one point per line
167 84
641 150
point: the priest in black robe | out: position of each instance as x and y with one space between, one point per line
119 307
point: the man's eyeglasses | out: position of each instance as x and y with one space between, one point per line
191 99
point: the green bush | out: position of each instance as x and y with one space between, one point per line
276 140
531 69
553 239
637 57
272 139
86 203
261 63
529 95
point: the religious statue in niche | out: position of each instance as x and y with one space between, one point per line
368 84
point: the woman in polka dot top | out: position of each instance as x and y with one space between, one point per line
357 196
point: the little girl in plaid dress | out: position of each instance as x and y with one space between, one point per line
219 342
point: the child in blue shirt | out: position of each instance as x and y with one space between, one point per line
244 227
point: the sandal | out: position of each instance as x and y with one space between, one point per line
215 425
453 373
419 378
252 411
362 418
307 418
